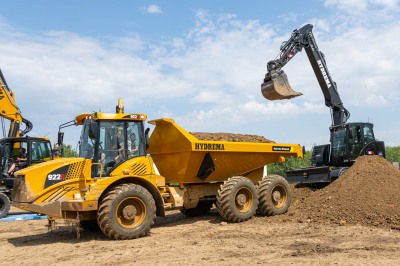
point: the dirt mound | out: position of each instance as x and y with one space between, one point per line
368 193
230 137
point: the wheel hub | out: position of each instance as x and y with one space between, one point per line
276 195
129 212
241 199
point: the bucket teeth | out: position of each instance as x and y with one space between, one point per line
276 87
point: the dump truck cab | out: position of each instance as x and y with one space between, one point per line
108 141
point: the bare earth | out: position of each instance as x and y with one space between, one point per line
353 221
205 240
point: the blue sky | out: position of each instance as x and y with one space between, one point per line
201 63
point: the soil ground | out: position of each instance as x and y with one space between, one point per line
353 221
205 240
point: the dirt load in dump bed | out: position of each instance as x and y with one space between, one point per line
368 193
230 137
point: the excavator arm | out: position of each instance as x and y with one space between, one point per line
10 111
276 85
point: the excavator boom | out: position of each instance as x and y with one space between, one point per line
10 111
276 85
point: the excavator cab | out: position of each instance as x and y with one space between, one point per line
352 140
37 150
276 86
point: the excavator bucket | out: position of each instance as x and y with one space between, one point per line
276 87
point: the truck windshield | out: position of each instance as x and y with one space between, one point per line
119 141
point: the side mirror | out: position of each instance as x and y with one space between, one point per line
92 130
60 138
146 135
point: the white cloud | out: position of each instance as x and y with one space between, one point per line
208 80
365 8
349 5
153 9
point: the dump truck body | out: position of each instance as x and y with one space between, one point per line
181 157
122 198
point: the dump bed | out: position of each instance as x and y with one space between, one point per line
181 157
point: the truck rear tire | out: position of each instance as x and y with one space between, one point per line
126 212
237 199
275 195
4 205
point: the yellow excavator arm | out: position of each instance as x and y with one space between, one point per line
10 111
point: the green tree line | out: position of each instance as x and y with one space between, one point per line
393 154
69 152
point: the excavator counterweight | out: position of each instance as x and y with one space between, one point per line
276 87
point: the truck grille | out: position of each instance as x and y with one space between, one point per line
75 170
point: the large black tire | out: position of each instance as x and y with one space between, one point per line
126 212
275 195
202 208
4 205
237 199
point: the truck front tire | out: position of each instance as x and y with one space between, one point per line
126 212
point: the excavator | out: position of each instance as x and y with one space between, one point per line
38 149
347 140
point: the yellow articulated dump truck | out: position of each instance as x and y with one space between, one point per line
123 179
